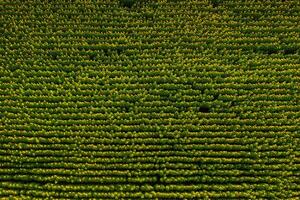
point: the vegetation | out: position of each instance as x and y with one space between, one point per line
162 99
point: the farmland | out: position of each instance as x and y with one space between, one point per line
150 99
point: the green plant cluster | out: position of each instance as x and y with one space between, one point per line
149 99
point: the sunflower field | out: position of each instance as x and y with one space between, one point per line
150 99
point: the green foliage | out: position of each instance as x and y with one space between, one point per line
149 99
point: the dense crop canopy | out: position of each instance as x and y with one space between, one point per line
149 99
